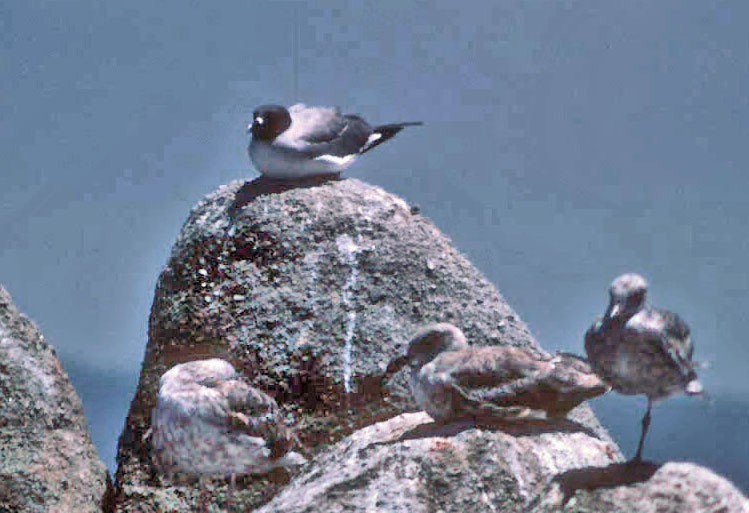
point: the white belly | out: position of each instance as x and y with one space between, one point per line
275 162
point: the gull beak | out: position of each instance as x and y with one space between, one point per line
394 366
615 311
256 121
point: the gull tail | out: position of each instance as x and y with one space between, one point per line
694 387
382 133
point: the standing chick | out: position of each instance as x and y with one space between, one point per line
639 349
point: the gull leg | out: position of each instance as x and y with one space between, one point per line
643 434
230 494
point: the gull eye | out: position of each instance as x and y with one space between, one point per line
259 120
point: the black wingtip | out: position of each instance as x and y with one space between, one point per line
395 127
387 132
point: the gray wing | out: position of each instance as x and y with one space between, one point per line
351 138
492 367
669 334
315 124
512 380
488 379
235 403
318 131
678 331
676 342
255 413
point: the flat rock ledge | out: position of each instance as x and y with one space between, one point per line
48 463
409 464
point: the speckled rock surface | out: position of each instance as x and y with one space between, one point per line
643 488
310 292
408 465
48 463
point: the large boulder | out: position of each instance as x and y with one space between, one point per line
48 463
310 291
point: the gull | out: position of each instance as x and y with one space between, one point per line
452 380
209 422
641 350
304 141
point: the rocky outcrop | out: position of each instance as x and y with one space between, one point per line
309 290
409 464
48 463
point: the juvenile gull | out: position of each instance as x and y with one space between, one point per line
209 422
451 380
639 349
306 141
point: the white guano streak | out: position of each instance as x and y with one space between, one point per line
348 250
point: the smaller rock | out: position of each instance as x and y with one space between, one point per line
641 487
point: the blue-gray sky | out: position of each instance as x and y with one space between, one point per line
565 142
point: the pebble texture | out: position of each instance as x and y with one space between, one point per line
309 291
48 463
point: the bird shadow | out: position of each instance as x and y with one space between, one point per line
263 186
513 426
610 476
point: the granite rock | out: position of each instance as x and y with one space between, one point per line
409 464
48 463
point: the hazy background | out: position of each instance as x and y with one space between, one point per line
565 143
